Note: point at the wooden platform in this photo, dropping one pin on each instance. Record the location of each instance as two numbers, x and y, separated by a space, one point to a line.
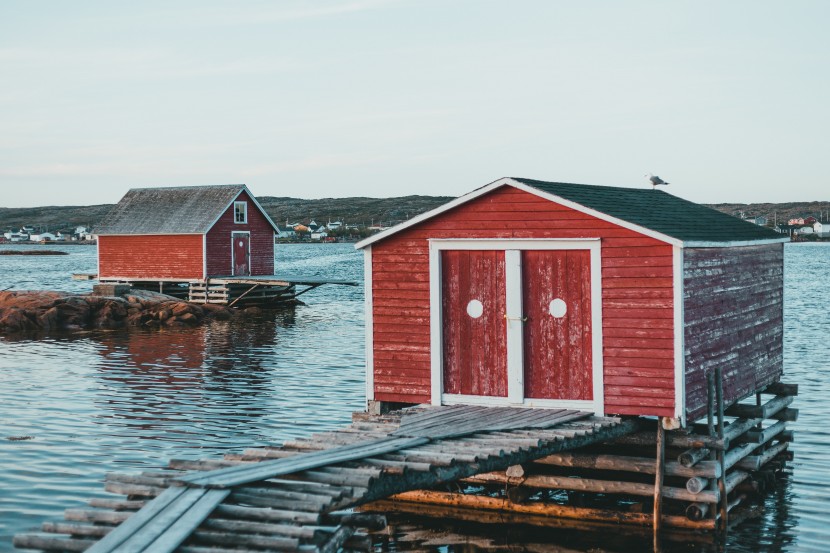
263 290
293 497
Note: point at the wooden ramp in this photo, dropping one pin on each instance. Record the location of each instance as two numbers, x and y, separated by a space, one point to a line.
293 497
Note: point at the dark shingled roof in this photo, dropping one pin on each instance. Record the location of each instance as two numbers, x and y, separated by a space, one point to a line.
175 210
658 211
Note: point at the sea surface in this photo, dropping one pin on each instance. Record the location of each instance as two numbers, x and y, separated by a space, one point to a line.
130 401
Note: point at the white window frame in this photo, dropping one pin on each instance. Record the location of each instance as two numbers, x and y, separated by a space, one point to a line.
244 205
515 334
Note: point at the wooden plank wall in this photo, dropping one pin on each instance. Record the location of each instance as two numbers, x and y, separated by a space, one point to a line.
475 349
734 317
547 275
169 256
262 241
637 298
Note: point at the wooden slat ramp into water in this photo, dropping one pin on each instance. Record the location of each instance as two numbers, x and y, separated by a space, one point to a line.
293 497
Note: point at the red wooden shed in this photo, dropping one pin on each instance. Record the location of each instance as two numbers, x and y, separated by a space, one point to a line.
614 300
185 234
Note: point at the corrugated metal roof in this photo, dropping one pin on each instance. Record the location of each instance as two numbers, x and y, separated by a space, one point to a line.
174 210
658 211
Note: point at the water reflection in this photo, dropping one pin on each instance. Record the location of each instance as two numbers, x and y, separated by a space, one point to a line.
116 401
179 382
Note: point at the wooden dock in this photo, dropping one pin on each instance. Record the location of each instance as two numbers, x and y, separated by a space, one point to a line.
295 497
300 496
265 290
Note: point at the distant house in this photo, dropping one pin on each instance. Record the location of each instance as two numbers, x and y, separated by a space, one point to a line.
796 221
43 237
761 221
810 221
335 225
183 234
804 230
822 229
19 236
81 233
319 234
286 232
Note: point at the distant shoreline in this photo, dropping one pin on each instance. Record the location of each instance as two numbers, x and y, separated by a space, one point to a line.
51 243
32 252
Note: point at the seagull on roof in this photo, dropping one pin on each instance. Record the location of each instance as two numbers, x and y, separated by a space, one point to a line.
655 181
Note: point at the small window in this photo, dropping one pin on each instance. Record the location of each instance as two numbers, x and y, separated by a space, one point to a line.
240 212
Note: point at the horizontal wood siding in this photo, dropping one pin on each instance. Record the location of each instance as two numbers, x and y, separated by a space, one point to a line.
177 256
637 298
262 241
733 319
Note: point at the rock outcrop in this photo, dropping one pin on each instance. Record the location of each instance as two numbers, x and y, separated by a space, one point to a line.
35 311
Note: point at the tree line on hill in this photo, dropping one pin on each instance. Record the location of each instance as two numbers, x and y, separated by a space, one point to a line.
356 210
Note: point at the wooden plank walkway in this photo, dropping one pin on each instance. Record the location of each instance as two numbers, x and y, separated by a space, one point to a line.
293 497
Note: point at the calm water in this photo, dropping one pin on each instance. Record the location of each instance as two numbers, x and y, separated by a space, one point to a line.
131 401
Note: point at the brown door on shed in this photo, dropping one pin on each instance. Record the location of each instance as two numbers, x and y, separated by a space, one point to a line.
557 334
474 330
241 249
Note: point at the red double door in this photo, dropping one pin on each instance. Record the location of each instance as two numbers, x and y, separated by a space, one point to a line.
485 319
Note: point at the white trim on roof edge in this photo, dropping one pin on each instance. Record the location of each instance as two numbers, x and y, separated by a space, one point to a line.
507 181
704 244
159 234
256 203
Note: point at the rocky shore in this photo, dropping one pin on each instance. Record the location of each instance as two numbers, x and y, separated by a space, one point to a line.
41 311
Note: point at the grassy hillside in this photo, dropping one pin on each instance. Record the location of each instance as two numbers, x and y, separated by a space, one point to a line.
350 210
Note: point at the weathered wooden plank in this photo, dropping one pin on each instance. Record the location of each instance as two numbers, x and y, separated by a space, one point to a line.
235 476
640 465
266 515
258 542
96 531
165 527
48 542
547 509
137 521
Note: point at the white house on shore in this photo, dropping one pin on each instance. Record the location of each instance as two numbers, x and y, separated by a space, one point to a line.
822 229
43 237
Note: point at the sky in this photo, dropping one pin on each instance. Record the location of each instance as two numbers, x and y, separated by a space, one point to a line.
728 101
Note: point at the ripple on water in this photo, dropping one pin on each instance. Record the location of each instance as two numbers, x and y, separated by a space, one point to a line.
131 401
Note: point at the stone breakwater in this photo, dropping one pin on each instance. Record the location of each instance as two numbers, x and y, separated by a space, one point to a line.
36 311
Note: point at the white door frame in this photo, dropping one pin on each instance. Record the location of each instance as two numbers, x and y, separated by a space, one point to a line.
515 335
233 257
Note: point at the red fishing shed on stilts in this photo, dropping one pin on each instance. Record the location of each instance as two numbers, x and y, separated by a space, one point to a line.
543 294
185 234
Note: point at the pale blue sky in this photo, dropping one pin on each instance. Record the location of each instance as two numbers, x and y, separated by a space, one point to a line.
727 100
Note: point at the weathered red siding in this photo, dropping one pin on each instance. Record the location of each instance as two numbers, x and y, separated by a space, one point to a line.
637 298
262 241
475 349
734 319
176 256
557 351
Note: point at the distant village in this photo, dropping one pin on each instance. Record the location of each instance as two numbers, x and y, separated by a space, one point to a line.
800 229
332 231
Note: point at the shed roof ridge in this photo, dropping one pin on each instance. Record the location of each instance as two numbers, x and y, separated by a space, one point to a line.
648 211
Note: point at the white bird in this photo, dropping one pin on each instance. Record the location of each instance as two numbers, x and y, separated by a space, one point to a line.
655 180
